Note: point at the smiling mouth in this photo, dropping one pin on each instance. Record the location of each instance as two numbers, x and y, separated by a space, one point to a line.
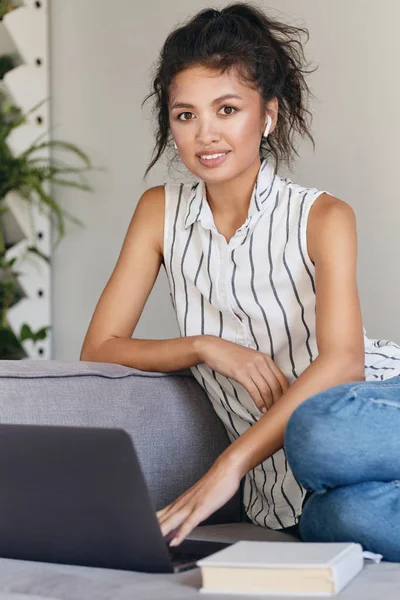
213 160
211 156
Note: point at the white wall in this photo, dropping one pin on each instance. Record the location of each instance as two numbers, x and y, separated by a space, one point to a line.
102 53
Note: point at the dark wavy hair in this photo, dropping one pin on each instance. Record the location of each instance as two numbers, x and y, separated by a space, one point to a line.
268 55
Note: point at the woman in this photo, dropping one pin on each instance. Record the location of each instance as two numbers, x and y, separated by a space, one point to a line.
262 274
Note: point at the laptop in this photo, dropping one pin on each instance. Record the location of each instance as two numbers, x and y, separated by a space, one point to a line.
77 495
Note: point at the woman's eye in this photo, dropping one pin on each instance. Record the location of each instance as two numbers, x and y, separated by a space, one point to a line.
231 110
185 115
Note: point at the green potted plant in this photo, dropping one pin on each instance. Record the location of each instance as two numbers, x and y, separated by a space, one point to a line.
29 174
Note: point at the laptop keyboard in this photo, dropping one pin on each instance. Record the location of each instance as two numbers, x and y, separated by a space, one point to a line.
189 551
178 557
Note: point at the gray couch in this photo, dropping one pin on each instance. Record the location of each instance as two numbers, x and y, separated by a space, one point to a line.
177 436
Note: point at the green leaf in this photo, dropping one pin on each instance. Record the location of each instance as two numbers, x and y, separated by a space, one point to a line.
24 117
11 291
36 251
7 63
54 168
56 210
41 333
62 146
10 347
25 333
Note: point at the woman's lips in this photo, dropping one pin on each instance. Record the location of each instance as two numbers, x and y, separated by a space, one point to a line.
213 162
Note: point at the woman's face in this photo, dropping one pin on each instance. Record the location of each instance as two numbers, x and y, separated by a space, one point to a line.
216 113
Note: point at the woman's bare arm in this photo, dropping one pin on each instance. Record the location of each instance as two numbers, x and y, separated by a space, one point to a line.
118 310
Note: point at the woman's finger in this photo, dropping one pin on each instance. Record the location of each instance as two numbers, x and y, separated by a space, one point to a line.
275 388
284 383
178 503
190 523
160 513
253 391
175 520
264 388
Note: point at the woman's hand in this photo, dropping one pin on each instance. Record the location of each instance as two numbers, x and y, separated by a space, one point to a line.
254 370
200 501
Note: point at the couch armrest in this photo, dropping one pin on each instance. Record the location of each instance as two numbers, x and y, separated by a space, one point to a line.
174 428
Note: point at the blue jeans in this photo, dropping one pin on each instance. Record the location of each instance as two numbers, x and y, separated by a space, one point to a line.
343 444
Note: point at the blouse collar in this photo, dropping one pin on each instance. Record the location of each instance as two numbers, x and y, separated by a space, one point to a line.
198 208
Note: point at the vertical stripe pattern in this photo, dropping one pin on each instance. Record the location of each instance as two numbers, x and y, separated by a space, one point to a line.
257 290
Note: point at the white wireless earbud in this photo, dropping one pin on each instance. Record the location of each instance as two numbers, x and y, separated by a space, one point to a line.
268 127
176 147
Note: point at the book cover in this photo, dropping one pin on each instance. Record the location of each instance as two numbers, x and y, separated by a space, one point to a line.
281 568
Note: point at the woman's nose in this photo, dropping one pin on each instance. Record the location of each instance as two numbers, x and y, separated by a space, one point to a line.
207 133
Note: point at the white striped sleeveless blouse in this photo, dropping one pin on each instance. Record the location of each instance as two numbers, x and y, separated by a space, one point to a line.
258 290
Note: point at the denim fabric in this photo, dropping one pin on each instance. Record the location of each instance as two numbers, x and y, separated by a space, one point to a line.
343 445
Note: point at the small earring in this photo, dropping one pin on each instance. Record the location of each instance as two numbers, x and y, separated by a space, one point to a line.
268 127
176 147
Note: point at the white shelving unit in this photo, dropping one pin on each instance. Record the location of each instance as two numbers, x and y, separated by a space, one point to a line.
28 85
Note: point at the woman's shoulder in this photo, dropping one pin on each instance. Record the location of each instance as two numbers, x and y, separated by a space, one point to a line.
299 189
320 200
318 207
153 194
164 197
150 211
